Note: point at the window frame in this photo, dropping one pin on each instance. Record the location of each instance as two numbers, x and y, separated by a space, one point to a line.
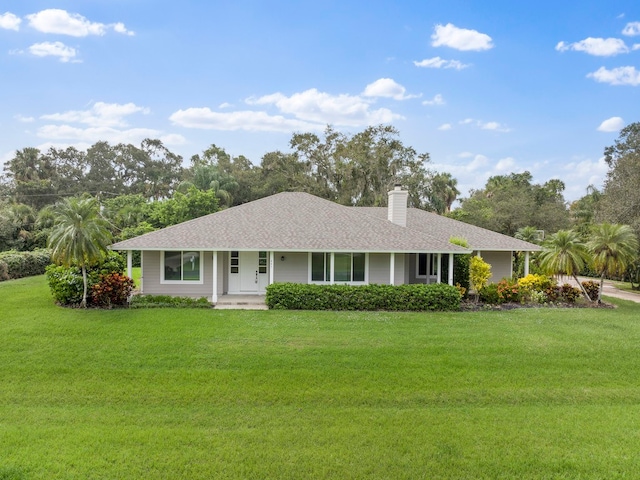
182 281
329 269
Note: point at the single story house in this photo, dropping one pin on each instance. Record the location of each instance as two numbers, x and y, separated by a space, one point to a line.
298 237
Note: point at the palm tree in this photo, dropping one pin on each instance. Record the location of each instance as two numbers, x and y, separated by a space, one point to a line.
614 248
79 236
564 254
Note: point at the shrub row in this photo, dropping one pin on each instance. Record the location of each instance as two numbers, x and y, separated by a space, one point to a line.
294 296
158 301
532 288
23 264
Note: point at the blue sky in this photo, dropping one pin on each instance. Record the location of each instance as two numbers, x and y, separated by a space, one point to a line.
485 87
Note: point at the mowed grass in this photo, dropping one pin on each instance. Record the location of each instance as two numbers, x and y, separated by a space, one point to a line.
167 394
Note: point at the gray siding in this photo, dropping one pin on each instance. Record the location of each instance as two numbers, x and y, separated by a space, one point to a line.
152 285
294 268
500 264
379 268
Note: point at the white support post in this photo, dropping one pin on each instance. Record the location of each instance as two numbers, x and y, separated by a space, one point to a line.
271 263
526 263
129 263
392 269
214 296
439 268
142 273
450 279
332 268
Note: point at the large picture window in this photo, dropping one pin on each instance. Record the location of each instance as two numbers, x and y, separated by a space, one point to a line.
182 266
347 267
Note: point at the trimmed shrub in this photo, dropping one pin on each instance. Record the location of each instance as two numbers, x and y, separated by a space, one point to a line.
159 301
592 288
23 264
508 291
489 294
420 297
112 289
535 283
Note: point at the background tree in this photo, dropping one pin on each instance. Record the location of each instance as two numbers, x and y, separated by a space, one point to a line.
620 202
80 236
614 248
510 202
31 177
444 192
583 211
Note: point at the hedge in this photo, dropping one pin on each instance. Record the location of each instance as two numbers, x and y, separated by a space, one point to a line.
23 264
160 301
419 297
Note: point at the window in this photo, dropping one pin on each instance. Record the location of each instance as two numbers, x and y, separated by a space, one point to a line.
347 267
182 266
427 265
235 261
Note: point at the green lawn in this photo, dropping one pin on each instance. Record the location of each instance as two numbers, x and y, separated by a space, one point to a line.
166 394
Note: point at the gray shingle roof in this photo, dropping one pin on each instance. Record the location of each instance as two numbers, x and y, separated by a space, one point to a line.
292 221
444 227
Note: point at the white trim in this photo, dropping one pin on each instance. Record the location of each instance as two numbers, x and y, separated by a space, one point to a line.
214 297
450 275
271 264
130 263
392 268
181 282
439 277
141 272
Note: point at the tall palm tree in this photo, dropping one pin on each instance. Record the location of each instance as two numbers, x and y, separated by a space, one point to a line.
563 253
614 248
79 236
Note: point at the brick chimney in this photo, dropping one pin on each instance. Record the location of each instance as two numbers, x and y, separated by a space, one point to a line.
397 209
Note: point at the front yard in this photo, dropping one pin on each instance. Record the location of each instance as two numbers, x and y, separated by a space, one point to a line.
165 393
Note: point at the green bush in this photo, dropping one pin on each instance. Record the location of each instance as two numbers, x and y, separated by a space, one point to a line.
66 283
23 264
592 288
159 301
508 291
296 296
489 294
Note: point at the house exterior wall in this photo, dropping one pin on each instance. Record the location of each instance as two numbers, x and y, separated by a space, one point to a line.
151 278
294 268
379 268
501 264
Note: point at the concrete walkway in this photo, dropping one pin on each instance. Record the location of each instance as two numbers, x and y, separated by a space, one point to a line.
241 302
608 290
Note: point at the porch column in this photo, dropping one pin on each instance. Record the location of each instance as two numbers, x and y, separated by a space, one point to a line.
214 297
526 263
439 279
450 279
129 263
392 269
332 269
271 263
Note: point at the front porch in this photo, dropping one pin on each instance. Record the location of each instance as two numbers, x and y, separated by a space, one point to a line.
240 302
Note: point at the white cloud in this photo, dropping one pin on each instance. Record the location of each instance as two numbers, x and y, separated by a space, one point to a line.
460 38
636 46
53 49
225 105
601 47
9 21
631 29
617 76
173 139
436 100
386 88
612 124
23 119
96 134
437 62
495 126
325 108
505 165
54 20
99 115
205 118
579 173
445 126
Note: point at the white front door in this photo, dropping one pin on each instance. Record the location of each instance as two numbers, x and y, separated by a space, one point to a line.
249 272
